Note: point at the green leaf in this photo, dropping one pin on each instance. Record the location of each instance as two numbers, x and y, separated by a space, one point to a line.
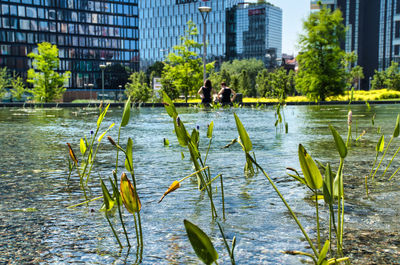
108 201
381 144
340 145
310 170
129 155
194 138
244 137
104 133
128 194
396 128
181 133
82 146
127 113
322 255
328 185
102 115
201 243
298 178
210 130
169 106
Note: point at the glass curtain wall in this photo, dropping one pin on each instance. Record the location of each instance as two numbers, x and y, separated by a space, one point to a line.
87 33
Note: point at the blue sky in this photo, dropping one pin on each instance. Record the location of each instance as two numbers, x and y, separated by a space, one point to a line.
294 12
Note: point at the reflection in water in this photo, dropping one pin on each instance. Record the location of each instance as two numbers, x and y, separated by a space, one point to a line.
33 173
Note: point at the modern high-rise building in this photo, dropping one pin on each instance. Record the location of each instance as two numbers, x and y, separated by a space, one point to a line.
163 22
254 31
87 33
373 32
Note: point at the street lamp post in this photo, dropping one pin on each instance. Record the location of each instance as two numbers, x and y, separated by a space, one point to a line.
90 95
204 10
102 67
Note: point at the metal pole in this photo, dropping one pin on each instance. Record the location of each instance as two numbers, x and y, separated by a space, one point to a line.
102 84
204 47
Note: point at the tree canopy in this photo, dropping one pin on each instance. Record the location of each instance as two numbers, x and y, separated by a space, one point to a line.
183 70
321 73
48 84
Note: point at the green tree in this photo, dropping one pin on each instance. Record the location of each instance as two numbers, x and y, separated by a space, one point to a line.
263 83
276 84
321 73
137 87
236 67
17 87
392 74
48 84
378 80
184 68
4 81
246 86
354 72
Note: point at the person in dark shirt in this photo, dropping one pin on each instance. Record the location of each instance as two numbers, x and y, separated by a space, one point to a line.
226 95
206 92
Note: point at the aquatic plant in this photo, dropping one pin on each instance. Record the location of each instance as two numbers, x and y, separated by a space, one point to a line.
191 141
202 245
313 180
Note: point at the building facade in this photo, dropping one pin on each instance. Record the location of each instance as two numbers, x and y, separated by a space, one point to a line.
87 33
163 22
254 31
373 32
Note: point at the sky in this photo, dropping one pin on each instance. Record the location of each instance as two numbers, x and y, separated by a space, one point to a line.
294 12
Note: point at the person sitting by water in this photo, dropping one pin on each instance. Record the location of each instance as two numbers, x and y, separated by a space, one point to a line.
206 92
226 95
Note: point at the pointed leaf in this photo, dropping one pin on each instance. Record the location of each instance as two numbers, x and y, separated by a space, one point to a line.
169 106
340 145
102 115
381 144
322 255
127 113
310 170
244 137
181 133
396 128
210 130
201 243
195 137
72 154
82 146
104 133
108 201
128 194
129 155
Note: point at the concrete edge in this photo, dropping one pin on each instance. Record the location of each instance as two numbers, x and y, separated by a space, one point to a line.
112 105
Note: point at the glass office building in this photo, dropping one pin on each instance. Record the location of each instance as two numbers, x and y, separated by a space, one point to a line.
254 31
163 22
87 33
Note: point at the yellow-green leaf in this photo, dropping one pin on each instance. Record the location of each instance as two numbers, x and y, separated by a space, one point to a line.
322 255
310 170
169 106
82 146
128 195
102 115
201 243
244 137
108 201
396 128
210 129
104 133
127 113
129 155
340 146
381 144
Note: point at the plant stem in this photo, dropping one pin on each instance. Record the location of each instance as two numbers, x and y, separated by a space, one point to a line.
208 149
317 213
116 161
287 206
373 165
82 203
394 174
223 197
119 210
391 160
387 147
112 228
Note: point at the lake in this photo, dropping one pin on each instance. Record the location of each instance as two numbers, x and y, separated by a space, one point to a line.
36 226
